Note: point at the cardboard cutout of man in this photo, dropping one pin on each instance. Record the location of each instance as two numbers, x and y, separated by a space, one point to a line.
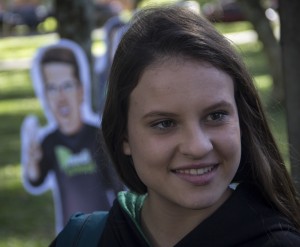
65 154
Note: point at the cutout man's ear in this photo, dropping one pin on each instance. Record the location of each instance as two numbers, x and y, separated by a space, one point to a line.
126 147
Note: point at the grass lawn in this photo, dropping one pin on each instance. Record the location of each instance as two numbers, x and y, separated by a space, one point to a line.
25 220
28 220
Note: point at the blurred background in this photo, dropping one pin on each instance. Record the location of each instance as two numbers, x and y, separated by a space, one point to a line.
253 26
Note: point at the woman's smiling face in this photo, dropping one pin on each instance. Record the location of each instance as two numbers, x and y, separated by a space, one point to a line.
183 134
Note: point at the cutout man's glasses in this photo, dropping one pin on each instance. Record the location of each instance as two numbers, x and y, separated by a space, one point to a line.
66 87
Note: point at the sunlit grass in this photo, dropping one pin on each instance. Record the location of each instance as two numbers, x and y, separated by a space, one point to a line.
12 113
10 176
150 3
12 107
232 27
25 46
15 84
14 241
12 80
17 100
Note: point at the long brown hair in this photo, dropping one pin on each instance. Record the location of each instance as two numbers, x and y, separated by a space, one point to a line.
157 33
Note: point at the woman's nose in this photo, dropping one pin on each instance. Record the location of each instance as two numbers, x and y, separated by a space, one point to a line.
195 142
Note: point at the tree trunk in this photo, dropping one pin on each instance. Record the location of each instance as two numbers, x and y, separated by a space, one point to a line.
255 13
290 44
76 22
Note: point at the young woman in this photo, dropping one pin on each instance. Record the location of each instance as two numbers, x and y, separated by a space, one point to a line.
185 129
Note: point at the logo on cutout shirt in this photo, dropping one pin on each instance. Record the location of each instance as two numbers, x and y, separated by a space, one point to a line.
75 164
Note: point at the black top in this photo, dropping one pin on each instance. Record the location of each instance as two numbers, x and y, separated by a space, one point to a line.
84 177
244 220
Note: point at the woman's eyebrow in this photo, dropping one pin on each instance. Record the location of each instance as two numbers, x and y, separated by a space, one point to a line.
161 113
154 113
220 104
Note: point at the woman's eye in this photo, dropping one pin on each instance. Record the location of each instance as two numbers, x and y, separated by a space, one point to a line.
163 124
216 116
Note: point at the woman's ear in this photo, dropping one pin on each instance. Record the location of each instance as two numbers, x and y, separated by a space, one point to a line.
126 146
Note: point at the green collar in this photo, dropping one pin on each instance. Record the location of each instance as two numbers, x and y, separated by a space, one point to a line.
132 204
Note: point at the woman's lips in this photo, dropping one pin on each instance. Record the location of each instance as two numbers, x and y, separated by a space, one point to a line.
197 176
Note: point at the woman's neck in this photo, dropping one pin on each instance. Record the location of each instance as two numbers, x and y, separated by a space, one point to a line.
165 226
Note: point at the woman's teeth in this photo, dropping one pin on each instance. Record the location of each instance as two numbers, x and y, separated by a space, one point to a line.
198 171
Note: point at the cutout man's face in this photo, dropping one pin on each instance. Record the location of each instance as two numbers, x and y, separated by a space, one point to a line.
64 95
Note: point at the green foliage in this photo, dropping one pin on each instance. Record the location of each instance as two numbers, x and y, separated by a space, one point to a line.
202 2
254 58
47 26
